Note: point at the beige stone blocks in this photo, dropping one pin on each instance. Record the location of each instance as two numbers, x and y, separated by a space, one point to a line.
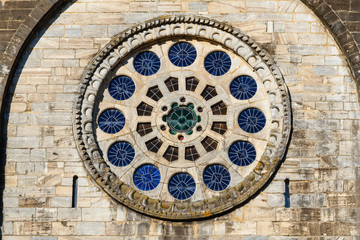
57 53
243 228
97 214
167 6
320 163
259 214
110 6
69 214
261 6
64 228
75 43
50 42
313 39
90 228
226 7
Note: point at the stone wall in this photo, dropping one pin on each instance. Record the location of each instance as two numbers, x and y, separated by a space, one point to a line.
322 162
18 19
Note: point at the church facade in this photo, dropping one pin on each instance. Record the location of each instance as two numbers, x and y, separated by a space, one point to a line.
180 120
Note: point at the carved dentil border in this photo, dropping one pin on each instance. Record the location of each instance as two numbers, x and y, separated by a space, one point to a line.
172 27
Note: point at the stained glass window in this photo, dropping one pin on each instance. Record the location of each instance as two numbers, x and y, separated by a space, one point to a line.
209 144
147 177
217 63
121 154
216 177
242 153
182 186
144 128
172 84
144 109
147 63
182 54
209 92
252 120
171 153
154 93
191 83
191 153
154 144
111 121
219 127
219 108
121 87
243 87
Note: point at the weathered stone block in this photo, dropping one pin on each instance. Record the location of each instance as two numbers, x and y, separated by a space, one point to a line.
46 214
198 6
142 228
241 228
120 229
64 228
36 228
287 214
95 31
32 202
109 7
309 214
23 142
97 214
259 214
54 31
219 228
90 228
226 7
301 200
260 6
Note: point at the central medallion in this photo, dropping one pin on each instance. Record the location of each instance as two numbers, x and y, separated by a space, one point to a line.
181 119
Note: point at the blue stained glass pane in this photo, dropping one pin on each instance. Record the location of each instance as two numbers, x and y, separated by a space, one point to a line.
217 63
243 87
181 186
121 87
242 153
121 154
147 177
147 63
111 121
182 54
251 120
216 177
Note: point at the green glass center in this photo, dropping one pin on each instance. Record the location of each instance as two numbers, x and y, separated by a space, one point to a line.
181 119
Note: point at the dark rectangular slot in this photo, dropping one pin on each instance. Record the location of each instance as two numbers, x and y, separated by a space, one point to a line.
74 192
287 193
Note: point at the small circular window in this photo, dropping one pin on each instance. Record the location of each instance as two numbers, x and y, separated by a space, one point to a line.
121 87
182 54
178 125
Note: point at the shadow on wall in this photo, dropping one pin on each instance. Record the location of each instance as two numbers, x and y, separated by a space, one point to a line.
18 66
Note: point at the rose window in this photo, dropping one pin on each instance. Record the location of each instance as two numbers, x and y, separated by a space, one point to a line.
182 118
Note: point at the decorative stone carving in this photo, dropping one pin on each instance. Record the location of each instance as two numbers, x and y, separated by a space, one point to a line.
183 27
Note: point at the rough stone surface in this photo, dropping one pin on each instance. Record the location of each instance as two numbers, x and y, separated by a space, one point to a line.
322 161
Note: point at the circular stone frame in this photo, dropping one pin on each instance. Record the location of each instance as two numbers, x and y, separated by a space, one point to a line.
175 27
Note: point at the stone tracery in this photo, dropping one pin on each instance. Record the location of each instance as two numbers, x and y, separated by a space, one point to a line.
240 45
